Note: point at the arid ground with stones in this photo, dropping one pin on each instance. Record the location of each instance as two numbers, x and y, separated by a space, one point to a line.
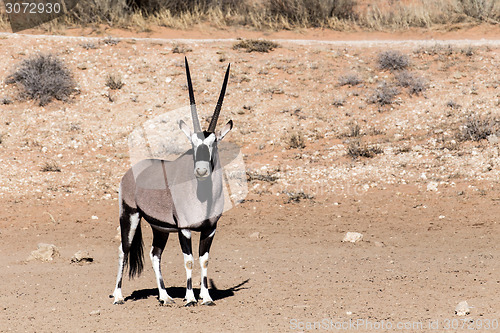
392 136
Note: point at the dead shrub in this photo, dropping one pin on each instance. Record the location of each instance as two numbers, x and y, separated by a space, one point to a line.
114 82
453 105
43 77
51 166
181 48
111 41
478 128
89 46
354 131
349 79
384 94
415 84
256 45
393 60
268 177
296 197
296 141
356 148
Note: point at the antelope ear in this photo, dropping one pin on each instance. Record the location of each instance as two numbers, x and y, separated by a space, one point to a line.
185 129
222 133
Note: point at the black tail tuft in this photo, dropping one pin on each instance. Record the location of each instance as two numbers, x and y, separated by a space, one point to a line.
136 255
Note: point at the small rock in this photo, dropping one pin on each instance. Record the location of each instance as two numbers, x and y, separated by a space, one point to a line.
432 186
493 139
45 252
462 309
82 256
95 313
352 237
94 217
379 244
255 235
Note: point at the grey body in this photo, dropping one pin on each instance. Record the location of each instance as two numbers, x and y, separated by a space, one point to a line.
170 197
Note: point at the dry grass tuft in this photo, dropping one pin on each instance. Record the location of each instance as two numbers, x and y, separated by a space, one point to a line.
268 177
296 197
356 148
296 141
415 84
256 45
114 82
349 79
478 128
354 131
181 48
50 167
384 94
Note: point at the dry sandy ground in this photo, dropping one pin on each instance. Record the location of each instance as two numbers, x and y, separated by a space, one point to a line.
427 204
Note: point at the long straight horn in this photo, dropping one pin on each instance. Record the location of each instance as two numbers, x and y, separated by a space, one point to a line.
194 113
213 122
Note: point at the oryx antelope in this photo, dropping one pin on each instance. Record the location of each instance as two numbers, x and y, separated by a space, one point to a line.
180 196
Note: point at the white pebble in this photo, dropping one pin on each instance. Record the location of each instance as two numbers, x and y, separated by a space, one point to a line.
352 237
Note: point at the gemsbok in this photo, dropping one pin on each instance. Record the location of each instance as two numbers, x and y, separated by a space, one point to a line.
180 196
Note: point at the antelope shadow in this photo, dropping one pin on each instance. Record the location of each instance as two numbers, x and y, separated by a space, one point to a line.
179 292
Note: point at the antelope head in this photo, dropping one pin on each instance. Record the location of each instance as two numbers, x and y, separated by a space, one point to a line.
204 143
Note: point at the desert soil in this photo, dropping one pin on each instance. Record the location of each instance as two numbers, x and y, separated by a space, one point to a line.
427 203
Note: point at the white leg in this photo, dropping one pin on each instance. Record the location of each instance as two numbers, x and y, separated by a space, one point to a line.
117 294
188 264
204 294
155 256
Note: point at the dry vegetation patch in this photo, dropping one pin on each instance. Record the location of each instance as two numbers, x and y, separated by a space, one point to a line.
280 14
43 77
477 128
384 94
393 60
114 82
256 45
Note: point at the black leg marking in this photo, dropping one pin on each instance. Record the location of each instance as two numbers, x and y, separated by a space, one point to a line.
159 242
206 241
205 282
185 242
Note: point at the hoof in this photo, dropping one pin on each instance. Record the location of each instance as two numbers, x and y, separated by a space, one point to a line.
208 303
120 301
167 302
189 304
